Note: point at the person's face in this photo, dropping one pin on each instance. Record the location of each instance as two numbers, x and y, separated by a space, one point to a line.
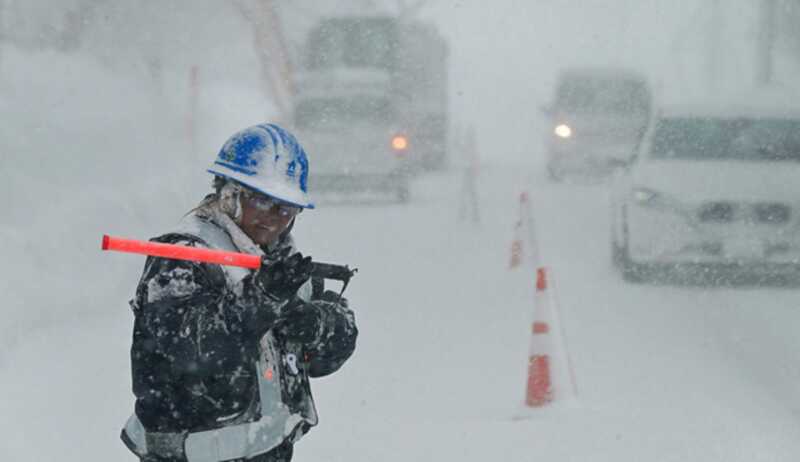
264 218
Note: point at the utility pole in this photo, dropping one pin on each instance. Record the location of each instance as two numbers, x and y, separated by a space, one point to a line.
765 42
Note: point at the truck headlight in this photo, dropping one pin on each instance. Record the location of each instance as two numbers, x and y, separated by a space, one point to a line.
563 131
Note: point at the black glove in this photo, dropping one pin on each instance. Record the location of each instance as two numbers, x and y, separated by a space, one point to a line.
330 296
282 276
302 323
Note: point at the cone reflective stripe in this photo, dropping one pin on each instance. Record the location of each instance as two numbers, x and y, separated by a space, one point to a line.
541 279
540 390
540 385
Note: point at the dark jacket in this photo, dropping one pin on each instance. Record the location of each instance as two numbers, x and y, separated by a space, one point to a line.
196 343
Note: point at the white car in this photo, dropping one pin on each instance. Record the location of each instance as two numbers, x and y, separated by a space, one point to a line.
711 192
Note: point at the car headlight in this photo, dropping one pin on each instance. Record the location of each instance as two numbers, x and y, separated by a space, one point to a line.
662 202
563 131
644 196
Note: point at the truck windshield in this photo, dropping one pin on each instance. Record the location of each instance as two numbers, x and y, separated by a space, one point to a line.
361 42
727 139
603 95
342 111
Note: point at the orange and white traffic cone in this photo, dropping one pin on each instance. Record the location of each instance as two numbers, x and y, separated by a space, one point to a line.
550 376
540 382
519 246
517 250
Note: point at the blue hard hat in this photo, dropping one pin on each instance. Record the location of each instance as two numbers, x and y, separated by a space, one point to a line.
268 159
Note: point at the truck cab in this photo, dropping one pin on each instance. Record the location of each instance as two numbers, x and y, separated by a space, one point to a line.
360 102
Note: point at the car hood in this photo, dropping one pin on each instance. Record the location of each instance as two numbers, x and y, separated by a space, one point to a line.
694 181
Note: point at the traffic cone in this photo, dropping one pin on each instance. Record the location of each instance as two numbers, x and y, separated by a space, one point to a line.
517 251
517 245
550 375
540 382
526 217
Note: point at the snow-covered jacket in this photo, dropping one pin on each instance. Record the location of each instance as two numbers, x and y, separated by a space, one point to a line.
212 380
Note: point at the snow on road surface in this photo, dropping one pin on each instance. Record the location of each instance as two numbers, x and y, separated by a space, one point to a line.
664 373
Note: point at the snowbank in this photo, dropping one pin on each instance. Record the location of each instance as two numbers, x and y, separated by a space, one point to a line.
91 151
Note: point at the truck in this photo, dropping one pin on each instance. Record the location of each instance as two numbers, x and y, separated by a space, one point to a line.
596 120
370 102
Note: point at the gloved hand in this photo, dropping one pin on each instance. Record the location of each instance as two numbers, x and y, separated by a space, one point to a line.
330 296
302 323
284 274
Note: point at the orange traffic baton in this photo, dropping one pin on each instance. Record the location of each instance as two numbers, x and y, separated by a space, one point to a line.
341 273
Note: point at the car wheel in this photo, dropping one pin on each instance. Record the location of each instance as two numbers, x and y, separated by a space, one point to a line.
629 269
616 254
616 250
554 173
403 193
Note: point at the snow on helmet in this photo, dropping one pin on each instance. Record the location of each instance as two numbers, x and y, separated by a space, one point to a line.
268 159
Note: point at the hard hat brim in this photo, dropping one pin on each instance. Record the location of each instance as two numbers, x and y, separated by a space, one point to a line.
275 189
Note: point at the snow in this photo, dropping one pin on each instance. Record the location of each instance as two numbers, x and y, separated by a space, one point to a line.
663 372
179 283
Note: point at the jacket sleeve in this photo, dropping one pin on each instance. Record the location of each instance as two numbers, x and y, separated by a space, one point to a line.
194 342
338 337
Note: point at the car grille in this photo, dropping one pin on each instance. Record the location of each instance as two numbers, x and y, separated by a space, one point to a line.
775 214
717 212
764 213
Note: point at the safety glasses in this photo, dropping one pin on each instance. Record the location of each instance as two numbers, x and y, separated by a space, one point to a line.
268 204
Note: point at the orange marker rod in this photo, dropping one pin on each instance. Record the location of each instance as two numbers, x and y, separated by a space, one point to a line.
180 252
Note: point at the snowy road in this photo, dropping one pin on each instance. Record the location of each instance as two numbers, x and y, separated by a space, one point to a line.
663 373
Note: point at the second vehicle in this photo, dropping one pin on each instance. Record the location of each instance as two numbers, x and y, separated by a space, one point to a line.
713 192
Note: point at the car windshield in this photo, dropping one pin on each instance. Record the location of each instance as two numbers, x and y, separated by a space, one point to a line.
727 139
603 95
362 42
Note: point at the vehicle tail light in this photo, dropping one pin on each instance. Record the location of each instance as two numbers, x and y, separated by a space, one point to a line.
399 143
